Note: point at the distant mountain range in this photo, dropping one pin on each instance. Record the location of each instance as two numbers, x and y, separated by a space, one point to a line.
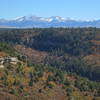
41 22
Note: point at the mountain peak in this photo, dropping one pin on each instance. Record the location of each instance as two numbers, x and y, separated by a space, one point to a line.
44 22
58 18
35 18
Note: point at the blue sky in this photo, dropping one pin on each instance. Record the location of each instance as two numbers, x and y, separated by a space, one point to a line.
77 9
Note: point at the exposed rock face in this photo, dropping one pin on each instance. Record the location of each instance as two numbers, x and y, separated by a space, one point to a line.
1 66
11 60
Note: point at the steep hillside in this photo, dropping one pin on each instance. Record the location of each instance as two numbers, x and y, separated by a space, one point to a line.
63 48
37 82
33 55
47 64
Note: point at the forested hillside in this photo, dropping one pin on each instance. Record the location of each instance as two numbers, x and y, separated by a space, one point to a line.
59 63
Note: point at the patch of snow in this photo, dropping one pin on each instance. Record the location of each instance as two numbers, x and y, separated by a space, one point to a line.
46 19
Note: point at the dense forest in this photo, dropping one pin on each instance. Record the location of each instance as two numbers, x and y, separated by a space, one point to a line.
67 59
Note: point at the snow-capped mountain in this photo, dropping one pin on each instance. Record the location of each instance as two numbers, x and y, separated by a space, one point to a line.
34 18
41 22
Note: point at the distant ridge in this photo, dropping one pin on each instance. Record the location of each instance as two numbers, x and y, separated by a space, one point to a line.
6 27
41 22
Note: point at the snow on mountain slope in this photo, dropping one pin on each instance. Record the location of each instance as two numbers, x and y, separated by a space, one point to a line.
54 21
